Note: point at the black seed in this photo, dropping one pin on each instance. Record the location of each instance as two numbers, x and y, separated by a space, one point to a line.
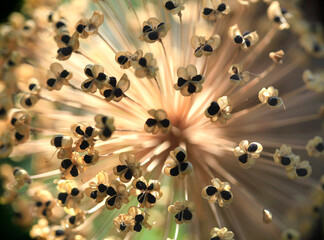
147 29
221 7
80 28
226 195
191 88
107 132
84 145
273 101
238 39
11 63
28 102
89 131
213 108
102 188
289 236
50 17
64 74
283 10
247 42
66 163
277 19
142 62
72 219
183 166
301 172
48 203
112 81
88 72
39 204
211 190
252 147
160 25
18 136
179 216
141 185
153 35
181 82
62 197
58 141
65 39
169 5
79 131
181 156
187 215
87 84
66 51
140 197
104 119
94 194
122 60
207 11
174 171
139 218
59 233
101 77
87 159
319 147
121 168
3 111
197 49
235 77
150 198
150 187
316 47
75 191
243 158
208 48
165 123
246 33
128 174
74 171
137 227
150 122
44 212
60 24
51 82
118 92
31 86
111 191
196 78
122 226
285 161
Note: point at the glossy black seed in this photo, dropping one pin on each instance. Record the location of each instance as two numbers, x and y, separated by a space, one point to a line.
147 29
50 17
118 92
59 233
140 185
226 195
221 7
60 24
183 166
160 25
316 47
84 145
3 111
283 10
181 156
179 216
89 131
187 215
11 63
88 72
207 11
72 219
128 174
64 74
102 188
104 119
273 101
75 191
122 226
113 81
169 5
121 168
107 132
213 108
66 51
137 227
150 187
285 161
44 212
208 48
39 204
243 158
235 77
122 59
87 159
111 191
65 39
142 62
139 218
238 39
74 171
87 84
301 172
62 197
111 201
211 190
165 123
174 171
196 78
150 198
79 131
150 122
246 33
197 49
48 203
94 194
289 236
191 88
181 82
66 163
31 86
28 102
153 35
319 147
247 42
252 147
140 197
101 77
51 82
58 141
80 28
18 136
277 19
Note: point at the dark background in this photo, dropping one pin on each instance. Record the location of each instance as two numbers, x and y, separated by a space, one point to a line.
313 10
